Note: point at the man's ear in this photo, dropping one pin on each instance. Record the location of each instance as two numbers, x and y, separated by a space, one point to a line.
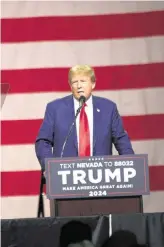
93 85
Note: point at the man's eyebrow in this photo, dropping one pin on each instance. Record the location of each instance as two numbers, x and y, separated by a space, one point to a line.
77 81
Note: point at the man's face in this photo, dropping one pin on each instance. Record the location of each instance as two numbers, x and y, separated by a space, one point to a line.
81 85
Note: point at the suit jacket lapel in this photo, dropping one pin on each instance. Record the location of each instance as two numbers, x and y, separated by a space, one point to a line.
96 121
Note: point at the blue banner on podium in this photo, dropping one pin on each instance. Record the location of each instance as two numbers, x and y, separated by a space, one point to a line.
104 176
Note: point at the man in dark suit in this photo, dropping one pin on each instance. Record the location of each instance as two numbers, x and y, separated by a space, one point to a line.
98 125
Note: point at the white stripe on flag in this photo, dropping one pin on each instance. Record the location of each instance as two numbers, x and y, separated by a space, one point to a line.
96 53
154 202
18 9
23 158
129 102
22 207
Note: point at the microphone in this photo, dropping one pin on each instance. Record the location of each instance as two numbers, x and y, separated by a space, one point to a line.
82 100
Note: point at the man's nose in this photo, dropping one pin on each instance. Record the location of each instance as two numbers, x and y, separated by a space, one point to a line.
79 84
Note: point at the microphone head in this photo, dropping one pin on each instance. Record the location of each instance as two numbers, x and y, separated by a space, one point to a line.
82 100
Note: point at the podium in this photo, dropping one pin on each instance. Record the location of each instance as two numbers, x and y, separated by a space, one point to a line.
88 207
97 185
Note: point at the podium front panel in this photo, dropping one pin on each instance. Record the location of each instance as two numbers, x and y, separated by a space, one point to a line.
88 207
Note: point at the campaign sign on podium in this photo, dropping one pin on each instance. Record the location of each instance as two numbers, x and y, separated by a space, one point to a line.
103 176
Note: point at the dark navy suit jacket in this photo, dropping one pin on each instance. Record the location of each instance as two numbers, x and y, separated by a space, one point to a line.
59 115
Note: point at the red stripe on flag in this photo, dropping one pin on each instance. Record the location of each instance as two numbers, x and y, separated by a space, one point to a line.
145 127
24 183
4 88
156 180
87 27
108 78
138 128
20 183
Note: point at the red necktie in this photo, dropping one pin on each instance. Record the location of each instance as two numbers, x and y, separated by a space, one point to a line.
84 135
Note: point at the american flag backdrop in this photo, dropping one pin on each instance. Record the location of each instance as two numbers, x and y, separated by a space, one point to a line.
123 41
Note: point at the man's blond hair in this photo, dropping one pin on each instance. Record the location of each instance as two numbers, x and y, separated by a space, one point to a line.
82 70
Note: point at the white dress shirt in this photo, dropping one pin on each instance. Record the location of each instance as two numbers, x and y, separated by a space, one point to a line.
89 112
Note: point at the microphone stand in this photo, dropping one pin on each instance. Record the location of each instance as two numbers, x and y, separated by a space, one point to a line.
70 130
65 142
41 201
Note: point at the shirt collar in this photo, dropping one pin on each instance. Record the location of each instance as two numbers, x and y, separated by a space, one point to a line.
88 102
